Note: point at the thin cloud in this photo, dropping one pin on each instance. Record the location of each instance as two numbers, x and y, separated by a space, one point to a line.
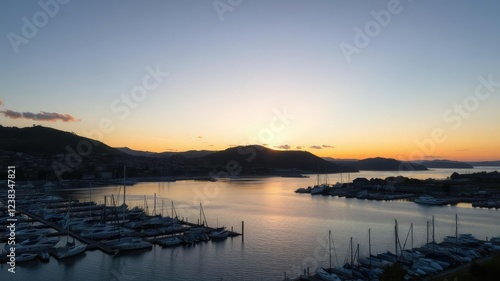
283 146
298 147
463 149
1 102
42 116
315 147
327 146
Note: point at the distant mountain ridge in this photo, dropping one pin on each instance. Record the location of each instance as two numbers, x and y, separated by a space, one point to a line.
133 152
429 164
256 156
187 154
45 141
387 164
485 163
445 164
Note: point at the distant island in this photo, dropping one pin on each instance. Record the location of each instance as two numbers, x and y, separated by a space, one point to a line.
389 164
381 164
445 164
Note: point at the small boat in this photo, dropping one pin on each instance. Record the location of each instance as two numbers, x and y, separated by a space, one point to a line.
34 245
44 256
188 238
325 275
429 200
318 189
25 257
134 244
495 240
428 269
113 242
169 241
199 234
25 233
105 232
49 185
489 246
430 262
303 190
70 251
219 234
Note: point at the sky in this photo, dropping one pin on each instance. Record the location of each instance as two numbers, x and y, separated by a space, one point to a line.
403 79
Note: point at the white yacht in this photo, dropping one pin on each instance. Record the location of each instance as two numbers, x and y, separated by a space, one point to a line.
133 244
219 234
34 245
70 250
324 275
169 241
429 200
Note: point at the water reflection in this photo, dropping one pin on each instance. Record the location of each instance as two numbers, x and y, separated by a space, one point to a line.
282 229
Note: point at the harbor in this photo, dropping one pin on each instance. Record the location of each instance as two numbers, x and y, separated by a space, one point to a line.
43 220
283 230
406 261
480 190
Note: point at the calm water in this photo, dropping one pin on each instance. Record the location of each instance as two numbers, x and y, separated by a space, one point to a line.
284 231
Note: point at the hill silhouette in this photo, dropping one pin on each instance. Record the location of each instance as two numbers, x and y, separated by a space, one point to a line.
485 163
448 164
256 156
387 164
38 140
186 154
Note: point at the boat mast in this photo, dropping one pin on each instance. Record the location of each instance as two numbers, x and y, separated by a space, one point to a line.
90 200
370 247
352 258
356 255
67 222
396 237
124 185
411 228
204 222
427 244
330 246
154 205
433 237
104 210
318 177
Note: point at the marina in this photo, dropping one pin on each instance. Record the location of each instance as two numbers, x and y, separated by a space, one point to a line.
285 232
413 263
94 232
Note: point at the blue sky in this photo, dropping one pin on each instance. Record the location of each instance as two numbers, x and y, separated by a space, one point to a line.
230 71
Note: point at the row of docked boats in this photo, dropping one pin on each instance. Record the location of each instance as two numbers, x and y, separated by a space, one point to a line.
194 235
429 200
41 246
117 228
364 194
418 263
